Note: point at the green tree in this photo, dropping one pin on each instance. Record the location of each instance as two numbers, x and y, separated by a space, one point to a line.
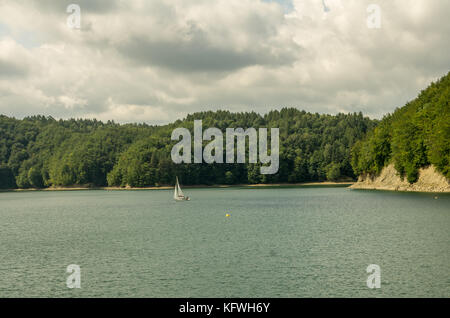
334 172
35 178
7 180
229 178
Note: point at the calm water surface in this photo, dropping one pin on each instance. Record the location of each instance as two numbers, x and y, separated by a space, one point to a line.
291 242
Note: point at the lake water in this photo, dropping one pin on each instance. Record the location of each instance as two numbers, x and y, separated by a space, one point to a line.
277 242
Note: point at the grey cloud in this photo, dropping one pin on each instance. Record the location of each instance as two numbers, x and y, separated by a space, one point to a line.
196 57
195 52
60 6
9 69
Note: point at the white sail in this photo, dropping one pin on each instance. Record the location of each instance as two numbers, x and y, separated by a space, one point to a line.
178 193
175 194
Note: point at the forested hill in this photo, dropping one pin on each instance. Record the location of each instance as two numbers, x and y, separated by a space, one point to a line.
39 151
414 136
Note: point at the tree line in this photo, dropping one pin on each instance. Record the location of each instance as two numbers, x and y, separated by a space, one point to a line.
39 151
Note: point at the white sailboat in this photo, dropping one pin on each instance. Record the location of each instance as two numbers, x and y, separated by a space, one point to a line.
178 195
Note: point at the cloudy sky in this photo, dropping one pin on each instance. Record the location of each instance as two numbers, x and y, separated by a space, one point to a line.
156 61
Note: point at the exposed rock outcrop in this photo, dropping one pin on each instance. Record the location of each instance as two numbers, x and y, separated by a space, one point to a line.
429 180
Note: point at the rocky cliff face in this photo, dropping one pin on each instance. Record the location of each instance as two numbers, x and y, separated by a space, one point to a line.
429 181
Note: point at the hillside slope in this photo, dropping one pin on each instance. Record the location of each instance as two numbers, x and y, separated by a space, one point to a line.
411 142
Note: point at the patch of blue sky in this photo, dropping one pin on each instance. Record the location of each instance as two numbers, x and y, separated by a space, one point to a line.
286 4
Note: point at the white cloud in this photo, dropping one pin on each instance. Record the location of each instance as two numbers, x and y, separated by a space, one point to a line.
155 61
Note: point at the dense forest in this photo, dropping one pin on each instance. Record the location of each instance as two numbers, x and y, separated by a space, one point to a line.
414 136
38 151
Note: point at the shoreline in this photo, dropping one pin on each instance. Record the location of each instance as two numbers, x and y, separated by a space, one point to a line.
357 187
215 186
